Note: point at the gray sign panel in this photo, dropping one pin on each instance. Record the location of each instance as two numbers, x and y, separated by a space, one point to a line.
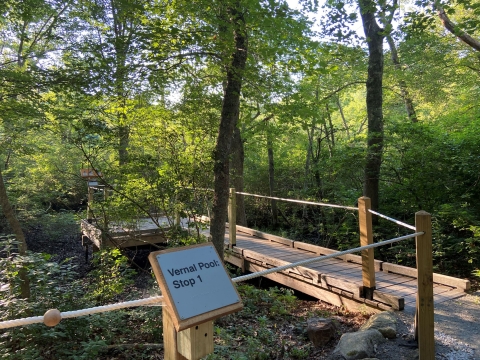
197 281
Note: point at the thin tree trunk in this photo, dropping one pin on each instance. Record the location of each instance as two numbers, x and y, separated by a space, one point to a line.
345 125
237 161
228 121
19 235
402 84
374 101
271 178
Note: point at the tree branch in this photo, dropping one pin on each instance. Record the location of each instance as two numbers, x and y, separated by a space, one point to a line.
455 30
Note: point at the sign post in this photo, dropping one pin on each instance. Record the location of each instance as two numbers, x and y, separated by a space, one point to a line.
197 290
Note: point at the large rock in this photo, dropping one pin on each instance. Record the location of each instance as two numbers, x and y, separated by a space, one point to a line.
385 322
320 331
358 345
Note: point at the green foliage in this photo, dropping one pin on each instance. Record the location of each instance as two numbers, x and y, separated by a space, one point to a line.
109 277
56 285
275 301
258 326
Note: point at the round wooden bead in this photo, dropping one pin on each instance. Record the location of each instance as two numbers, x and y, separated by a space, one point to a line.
52 317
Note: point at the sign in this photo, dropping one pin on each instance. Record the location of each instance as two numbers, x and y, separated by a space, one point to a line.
195 284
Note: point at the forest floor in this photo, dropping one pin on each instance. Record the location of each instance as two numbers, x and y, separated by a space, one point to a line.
273 323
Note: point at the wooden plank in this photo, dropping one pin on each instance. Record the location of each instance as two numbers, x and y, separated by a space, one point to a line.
437 278
316 249
260 234
357 259
329 281
310 274
396 302
334 295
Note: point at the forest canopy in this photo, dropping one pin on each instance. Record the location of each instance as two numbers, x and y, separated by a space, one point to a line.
163 97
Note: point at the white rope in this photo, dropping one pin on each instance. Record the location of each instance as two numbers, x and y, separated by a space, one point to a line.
83 312
21 322
299 201
111 307
323 257
392 219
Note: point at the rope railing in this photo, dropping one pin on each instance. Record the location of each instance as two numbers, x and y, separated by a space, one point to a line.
53 317
393 220
299 201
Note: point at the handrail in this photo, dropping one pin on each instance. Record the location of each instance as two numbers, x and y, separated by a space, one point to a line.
76 313
394 220
299 201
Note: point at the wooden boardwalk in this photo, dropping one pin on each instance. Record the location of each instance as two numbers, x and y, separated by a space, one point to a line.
337 281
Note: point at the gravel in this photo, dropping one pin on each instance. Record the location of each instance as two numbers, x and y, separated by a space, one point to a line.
457 328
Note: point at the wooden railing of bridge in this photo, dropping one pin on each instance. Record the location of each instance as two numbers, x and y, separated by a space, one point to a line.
423 272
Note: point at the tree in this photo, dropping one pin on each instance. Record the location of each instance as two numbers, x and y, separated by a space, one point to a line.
28 34
228 121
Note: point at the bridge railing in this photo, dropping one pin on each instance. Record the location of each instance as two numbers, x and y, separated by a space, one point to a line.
424 328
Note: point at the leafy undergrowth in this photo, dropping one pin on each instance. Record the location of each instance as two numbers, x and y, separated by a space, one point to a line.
273 325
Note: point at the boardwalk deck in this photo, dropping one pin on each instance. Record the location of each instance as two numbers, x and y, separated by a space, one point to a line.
336 281
144 231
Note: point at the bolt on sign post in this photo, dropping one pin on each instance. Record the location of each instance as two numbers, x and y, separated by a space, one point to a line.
197 290
366 238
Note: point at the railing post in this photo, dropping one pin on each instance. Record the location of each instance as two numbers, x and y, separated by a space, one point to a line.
425 308
232 218
366 238
89 205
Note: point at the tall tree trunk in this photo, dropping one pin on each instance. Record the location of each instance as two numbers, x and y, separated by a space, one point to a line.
237 161
402 84
374 101
19 235
228 121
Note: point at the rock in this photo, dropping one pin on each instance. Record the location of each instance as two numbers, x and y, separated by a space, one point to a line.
385 322
358 345
320 331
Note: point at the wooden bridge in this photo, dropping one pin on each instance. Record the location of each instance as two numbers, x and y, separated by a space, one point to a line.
336 281
354 281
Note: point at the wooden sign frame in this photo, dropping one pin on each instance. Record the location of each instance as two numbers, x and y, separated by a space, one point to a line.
167 286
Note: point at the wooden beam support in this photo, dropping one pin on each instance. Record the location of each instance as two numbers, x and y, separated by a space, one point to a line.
232 218
89 205
425 306
366 238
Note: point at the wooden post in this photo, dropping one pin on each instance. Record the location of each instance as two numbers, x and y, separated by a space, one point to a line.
189 344
170 337
366 238
89 205
424 310
105 217
232 218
